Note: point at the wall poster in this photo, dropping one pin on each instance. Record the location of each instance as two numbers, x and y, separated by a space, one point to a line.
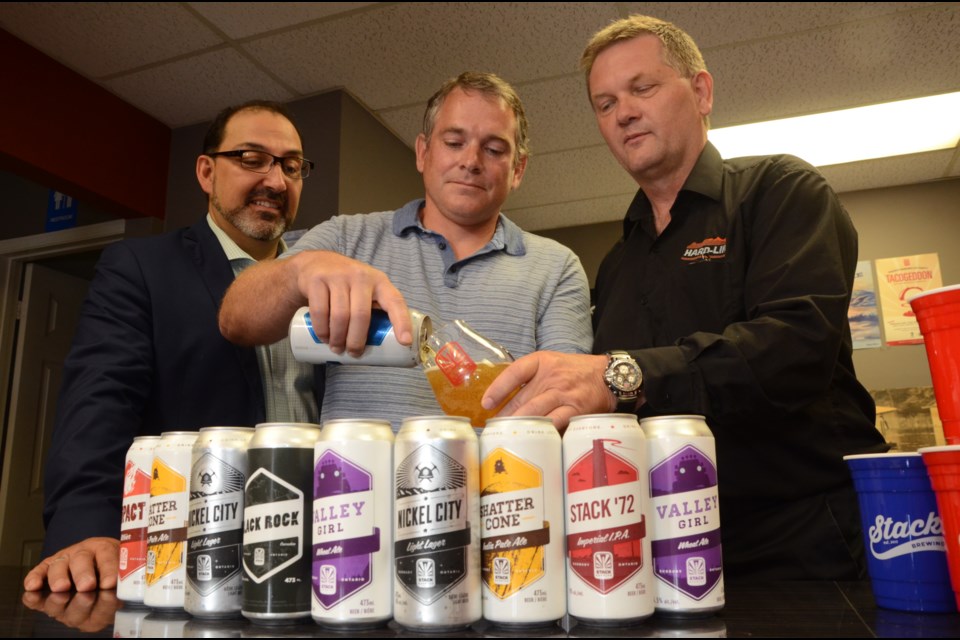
898 280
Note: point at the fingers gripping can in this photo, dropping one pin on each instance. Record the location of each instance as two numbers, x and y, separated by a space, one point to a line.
521 522
167 525
685 516
278 510
215 528
609 571
352 536
132 566
437 534
382 346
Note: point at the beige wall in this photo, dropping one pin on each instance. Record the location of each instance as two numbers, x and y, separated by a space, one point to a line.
895 221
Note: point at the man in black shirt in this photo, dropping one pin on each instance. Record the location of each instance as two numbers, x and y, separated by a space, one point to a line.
726 297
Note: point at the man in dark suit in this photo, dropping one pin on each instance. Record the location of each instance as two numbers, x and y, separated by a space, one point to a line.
148 355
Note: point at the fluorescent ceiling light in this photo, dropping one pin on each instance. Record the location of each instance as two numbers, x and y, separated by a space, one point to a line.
877 131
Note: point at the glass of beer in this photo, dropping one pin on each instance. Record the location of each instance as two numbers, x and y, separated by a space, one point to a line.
460 364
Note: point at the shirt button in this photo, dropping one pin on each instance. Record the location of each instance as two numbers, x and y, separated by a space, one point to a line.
453 269
442 245
643 300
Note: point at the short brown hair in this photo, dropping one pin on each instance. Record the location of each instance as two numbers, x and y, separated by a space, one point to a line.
679 49
488 84
215 133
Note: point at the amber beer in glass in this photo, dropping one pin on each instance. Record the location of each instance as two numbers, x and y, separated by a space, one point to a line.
460 364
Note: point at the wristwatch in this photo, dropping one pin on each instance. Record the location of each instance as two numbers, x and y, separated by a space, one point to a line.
624 378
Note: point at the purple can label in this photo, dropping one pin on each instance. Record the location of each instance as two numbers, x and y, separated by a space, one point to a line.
686 522
344 534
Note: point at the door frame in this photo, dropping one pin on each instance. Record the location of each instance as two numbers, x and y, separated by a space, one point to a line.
15 253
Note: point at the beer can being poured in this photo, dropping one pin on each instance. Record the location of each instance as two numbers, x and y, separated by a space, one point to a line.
609 568
382 348
685 516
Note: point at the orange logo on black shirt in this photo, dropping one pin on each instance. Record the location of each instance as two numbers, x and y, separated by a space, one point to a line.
709 249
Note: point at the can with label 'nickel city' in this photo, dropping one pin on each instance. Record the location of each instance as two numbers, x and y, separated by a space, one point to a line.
521 522
609 569
352 533
685 516
437 529
167 525
215 531
277 522
131 583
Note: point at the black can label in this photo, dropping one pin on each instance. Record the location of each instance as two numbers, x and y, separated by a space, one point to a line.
276 523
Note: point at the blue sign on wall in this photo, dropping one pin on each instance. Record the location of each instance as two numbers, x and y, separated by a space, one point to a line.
61 211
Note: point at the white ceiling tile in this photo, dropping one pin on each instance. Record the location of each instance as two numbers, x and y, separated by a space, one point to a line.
100 39
888 172
769 60
242 19
399 55
715 24
191 91
908 55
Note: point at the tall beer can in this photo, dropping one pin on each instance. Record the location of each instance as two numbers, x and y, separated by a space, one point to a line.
277 522
685 516
437 534
167 525
215 528
131 582
352 512
382 347
609 570
521 522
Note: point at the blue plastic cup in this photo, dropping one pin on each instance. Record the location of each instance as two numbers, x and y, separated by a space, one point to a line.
906 552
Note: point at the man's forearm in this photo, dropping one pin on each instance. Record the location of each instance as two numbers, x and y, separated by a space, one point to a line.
259 304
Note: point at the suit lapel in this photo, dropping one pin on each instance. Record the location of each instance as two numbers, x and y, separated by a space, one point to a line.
204 249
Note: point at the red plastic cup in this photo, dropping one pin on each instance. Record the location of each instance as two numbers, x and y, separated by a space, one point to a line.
938 313
943 467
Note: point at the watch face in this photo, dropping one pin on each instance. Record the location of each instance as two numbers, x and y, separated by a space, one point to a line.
624 375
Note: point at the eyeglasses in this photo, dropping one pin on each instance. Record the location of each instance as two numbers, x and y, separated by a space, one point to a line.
293 167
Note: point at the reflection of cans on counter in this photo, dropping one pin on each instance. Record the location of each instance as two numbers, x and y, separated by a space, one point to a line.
215 628
437 534
167 521
215 531
128 622
521 520
352 575
277 522
131 583
685 516
609 572
164 624
382 345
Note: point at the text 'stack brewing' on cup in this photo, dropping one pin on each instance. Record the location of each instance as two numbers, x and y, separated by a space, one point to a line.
938 313
943 467
382 347
901 528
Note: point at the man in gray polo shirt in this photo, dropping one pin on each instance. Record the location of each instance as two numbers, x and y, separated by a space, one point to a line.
451 255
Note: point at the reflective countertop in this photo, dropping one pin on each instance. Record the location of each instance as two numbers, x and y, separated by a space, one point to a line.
783 609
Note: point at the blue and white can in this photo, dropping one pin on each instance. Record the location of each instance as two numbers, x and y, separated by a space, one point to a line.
382 348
